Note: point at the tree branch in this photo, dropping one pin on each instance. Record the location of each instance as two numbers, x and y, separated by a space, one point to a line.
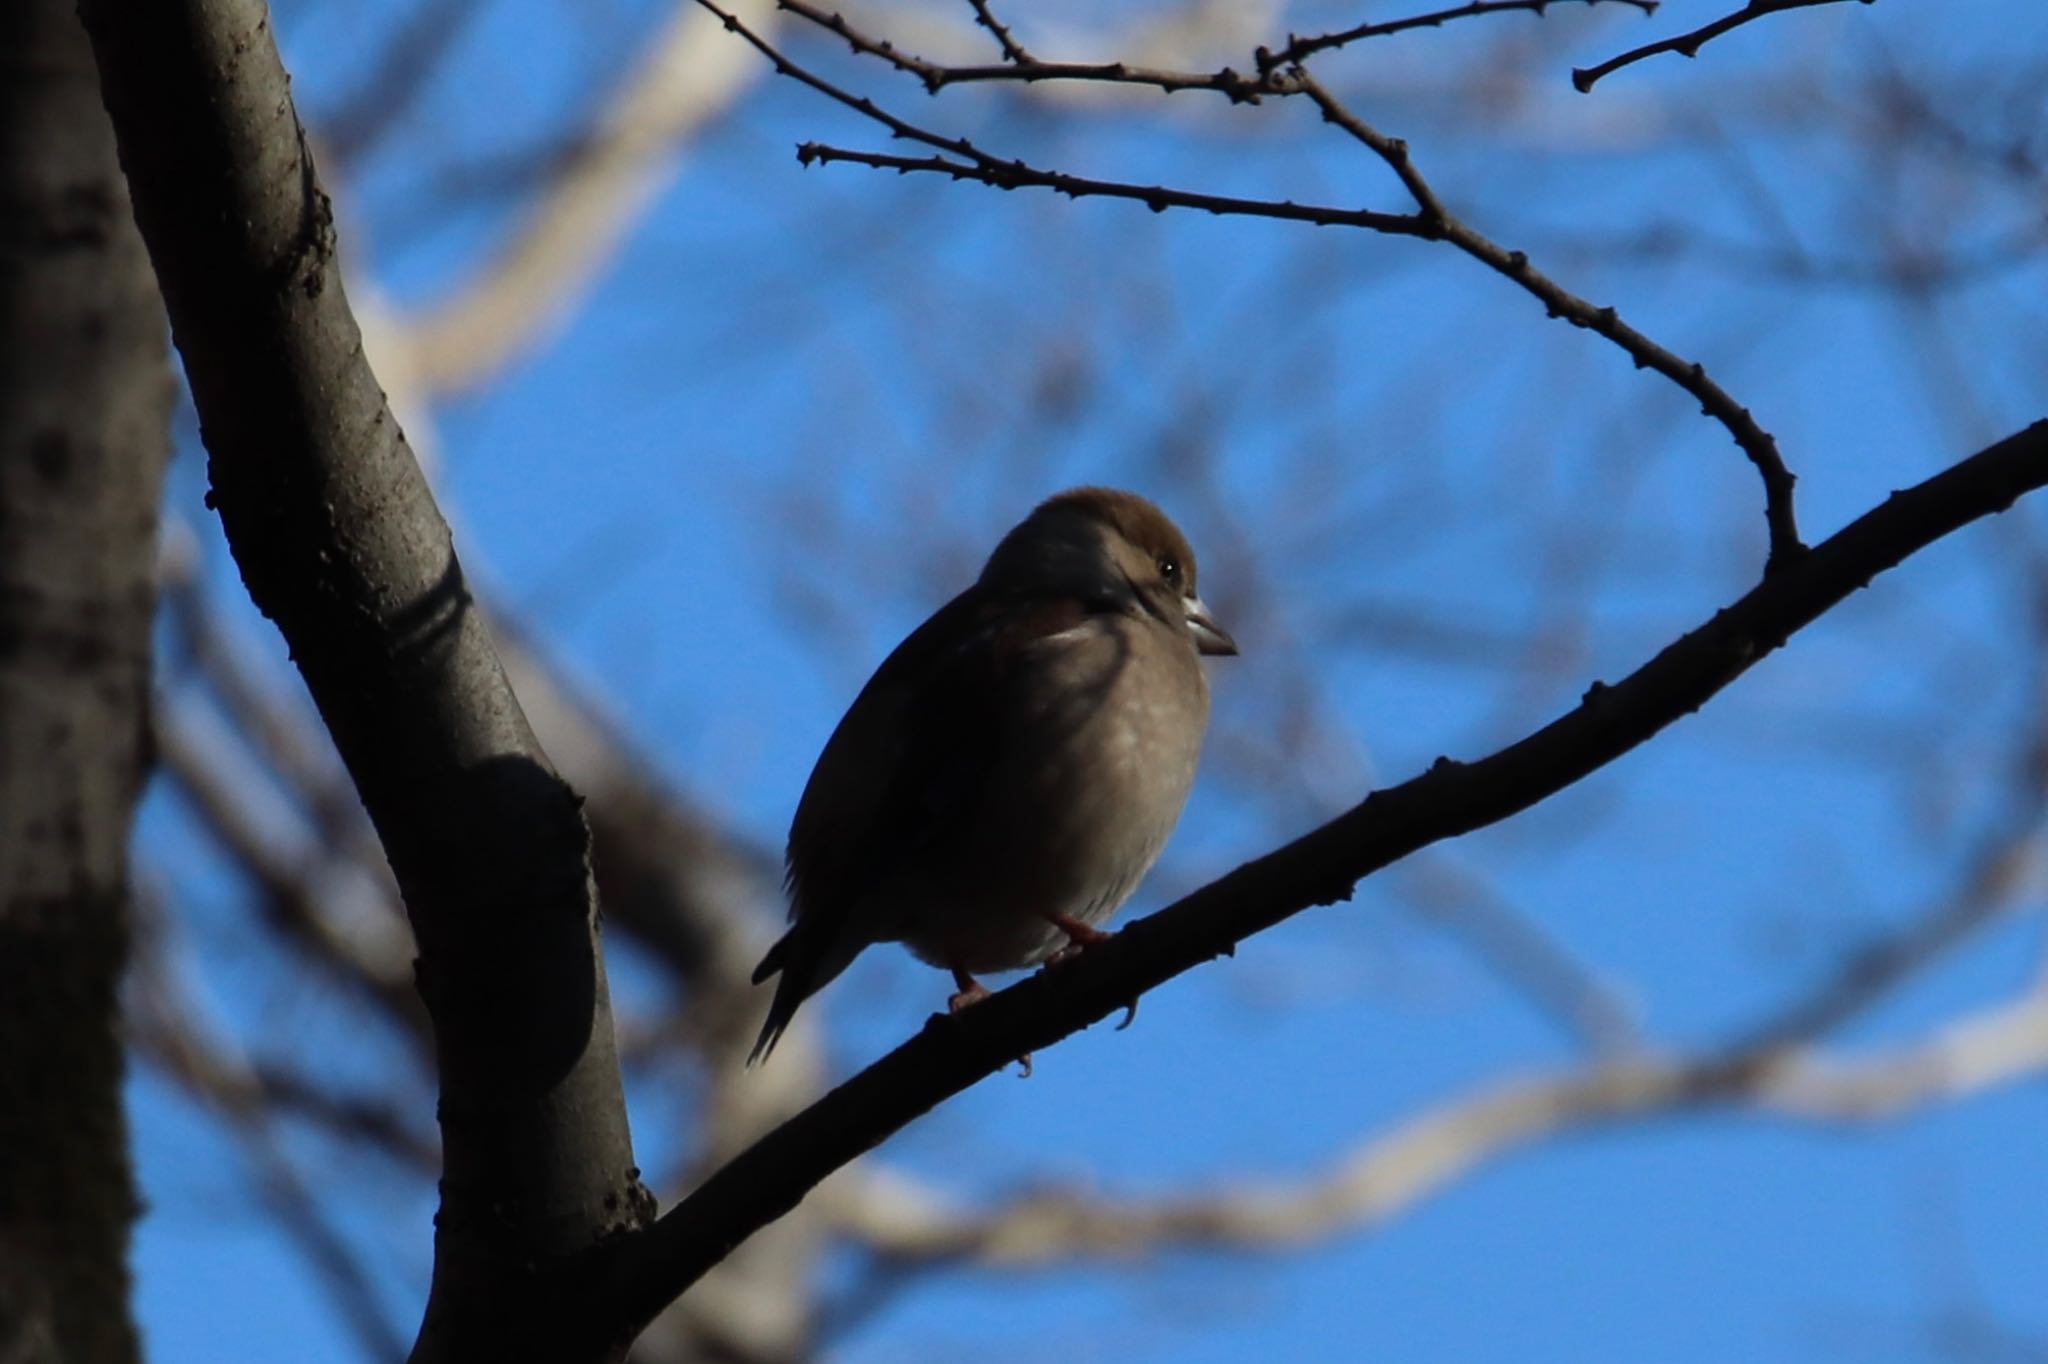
647 1269
1387 1176
960 159
1466 907
1013 51
340 543
1000 174
1756 443
1772 1067
174 1030
84 433
1017 65
1689 44
684 82
1299 49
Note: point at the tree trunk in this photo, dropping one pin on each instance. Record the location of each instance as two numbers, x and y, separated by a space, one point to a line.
84 414
340 543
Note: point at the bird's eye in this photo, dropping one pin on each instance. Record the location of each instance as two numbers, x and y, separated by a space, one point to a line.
1169 569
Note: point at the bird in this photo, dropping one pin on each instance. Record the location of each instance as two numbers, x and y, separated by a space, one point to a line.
1013 769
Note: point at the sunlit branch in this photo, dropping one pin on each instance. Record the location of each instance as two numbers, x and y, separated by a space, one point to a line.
174 1032
579 218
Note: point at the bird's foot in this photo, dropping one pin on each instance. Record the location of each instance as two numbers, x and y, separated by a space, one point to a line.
971 992
1080 937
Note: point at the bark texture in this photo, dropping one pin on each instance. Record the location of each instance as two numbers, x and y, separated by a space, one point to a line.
340 544
84 429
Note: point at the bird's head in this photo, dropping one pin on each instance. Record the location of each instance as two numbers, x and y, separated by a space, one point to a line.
1105 543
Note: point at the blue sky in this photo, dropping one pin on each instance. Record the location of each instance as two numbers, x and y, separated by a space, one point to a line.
833 389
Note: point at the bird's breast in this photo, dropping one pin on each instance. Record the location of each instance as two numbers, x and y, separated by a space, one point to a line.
1096 764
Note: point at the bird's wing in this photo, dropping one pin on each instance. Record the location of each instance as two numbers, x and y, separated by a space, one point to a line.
914 753
910 760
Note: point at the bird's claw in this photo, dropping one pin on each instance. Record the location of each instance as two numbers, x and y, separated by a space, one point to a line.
1080 937
970 993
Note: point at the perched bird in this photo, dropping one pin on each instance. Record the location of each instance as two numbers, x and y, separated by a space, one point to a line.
1012 770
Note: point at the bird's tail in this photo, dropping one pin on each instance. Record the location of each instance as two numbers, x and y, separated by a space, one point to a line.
788 994
779 1014
806 966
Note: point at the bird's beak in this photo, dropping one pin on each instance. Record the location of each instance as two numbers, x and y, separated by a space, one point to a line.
1210 638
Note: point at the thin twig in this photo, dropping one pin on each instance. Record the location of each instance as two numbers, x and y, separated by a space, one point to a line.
1013 51
981 166
1431 221
1756 443
1689 44
936 76
1298 48
1018 175
1019 66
